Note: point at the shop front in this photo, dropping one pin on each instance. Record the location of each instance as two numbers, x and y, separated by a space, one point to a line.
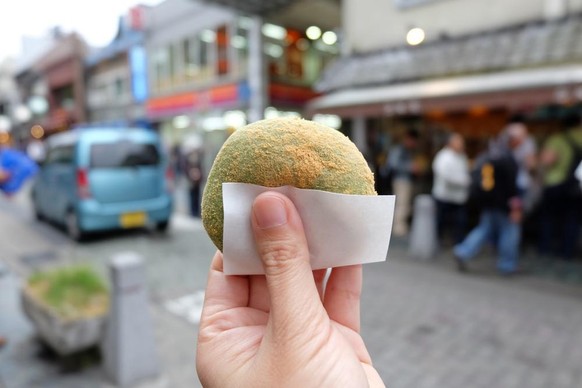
468 84
476 106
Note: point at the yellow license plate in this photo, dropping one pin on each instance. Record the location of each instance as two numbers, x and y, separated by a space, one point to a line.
133 220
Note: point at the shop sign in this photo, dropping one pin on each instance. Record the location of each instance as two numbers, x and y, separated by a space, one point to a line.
219 96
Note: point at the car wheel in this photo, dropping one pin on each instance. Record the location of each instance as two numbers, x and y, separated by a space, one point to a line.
72 225
37 213
163 226
35 209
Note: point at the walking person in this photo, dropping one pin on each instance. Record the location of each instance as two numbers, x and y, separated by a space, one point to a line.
524 151
561 197
451 187
404 168
16 168
194 176
494 185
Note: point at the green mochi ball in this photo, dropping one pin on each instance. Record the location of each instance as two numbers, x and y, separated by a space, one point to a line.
280 152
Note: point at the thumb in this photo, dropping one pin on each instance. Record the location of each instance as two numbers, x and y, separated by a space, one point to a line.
282 246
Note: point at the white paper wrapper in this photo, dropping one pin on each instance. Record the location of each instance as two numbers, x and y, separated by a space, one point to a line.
341 229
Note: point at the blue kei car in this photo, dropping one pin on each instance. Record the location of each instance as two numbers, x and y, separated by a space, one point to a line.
98 179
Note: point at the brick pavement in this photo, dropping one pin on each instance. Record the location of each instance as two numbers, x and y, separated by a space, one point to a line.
427 326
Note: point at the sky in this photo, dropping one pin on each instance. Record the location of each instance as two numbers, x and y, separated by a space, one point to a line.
95 20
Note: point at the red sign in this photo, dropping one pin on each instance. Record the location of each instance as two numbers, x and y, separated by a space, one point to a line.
136 18
217 96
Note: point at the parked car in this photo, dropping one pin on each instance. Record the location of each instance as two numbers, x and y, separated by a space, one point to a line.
98 179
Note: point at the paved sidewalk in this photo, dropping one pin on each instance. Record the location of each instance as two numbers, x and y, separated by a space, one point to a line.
425 325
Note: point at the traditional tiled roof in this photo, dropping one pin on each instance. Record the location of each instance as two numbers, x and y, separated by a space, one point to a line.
524 46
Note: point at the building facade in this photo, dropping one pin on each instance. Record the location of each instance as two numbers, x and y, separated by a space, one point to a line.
452 65
116 75
212 69
363 19
31 86
62 70
8 101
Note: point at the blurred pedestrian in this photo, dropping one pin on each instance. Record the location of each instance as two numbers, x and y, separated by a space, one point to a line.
194 176
494 188
451 187
15 169
578 173
561 198
4 175
524 150
176 160
404 167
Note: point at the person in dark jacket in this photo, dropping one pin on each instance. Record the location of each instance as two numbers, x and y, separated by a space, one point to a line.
495 189
195 179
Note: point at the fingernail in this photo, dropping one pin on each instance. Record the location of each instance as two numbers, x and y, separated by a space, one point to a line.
270 212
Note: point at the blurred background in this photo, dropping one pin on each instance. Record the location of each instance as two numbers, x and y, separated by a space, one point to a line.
116 110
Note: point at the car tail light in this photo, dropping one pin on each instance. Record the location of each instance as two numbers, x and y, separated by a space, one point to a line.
169 179
83 184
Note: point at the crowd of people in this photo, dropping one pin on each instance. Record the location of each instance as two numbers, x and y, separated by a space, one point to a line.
511 181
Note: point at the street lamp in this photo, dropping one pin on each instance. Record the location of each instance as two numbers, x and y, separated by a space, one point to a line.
5 124
329 38
22 114
313 32
415 36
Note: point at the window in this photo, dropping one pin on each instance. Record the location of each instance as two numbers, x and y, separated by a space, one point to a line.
124 154
160 69
240 44
171 62
191 68
61 155
119 88
207 38
64 97
187 55
222 43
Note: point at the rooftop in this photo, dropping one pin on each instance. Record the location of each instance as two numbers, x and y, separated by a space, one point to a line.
524 46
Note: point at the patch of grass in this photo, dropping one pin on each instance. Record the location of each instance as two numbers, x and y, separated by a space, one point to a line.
71 292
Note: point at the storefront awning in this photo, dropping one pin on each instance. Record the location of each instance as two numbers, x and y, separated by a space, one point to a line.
544 85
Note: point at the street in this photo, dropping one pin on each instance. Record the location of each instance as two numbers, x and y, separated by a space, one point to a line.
424 324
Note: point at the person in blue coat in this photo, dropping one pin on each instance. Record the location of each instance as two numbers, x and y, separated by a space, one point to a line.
15 169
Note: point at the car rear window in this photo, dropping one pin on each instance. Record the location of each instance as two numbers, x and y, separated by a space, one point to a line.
124 154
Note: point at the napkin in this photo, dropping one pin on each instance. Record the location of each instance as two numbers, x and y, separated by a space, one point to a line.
341 229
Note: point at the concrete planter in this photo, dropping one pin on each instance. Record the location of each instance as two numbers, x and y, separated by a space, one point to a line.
64 336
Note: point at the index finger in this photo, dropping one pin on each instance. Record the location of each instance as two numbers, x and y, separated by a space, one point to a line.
224 292
342 296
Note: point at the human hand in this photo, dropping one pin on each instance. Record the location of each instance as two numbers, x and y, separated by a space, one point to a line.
516 216
4 175
286 328
516 210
